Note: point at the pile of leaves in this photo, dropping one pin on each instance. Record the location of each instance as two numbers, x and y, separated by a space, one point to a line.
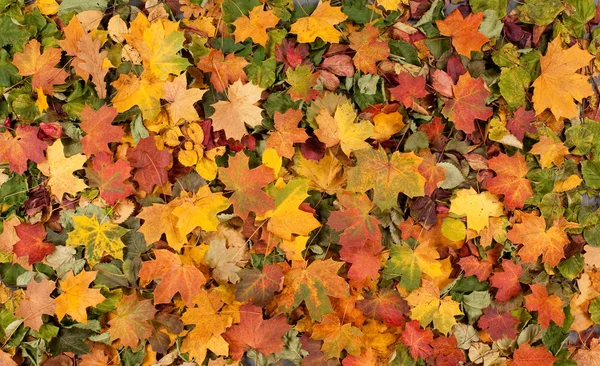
356 182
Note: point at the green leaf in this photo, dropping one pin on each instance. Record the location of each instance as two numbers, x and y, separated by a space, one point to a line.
70 340
514 83
78 6
591 173
585 10
570 268
539 12
404 264
499 6
233 9
12 34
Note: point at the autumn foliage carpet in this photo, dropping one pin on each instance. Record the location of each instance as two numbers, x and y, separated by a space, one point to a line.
253 182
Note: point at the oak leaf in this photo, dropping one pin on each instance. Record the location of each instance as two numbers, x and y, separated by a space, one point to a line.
130 322
463 31
468 104
59 170
510 179
175 276
253 332
558 83
22 147
40 65
549 308
76 296
31 242
368 50
150 163
255 25
321 23
38 302
232 115
477 207
313 286
387 177
338 337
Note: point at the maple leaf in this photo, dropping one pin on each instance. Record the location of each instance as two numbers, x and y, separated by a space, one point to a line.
31 242
175 276
9 237
498 325
550 151
427 306
532 356
181 99
465 34
326 175
558 83
232 115
409 89
255 25
477 207
302 80
210 324
76 297
337 337
507 282
150 163
409 264
364 259
224 69
320 23
110 178
468 103
341 129
417 340
225 261
259 286
548 307
99 132
473 266
99 238
130 322
286 218
446 351
158 220
521 123
588 356
38 303
40 65
90 61
59 170
385 305
368 50
354 220
536 240
387 178
247 185
313 285
287 133
199 210
144 91
434 174
253 332
387 125
510 180
22 147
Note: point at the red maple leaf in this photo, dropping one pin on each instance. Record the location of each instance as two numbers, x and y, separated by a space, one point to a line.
364 260
507 282
224 70
446 351
31 243
291 54
498 325
22 147
468 103
99 132
259 286
253 332
548 307
417 340
247 185
151 164
530 356
386 305
409 89
368 50
110 178
354 220
474 266
521 122
510 179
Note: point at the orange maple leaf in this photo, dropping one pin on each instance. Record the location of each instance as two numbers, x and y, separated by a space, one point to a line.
464 31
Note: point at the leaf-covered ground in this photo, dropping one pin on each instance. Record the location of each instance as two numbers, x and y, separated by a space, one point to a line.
361 182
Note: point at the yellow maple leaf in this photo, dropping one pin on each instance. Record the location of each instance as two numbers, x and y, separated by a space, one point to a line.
181 99
293 248
326 175
158 220
566 185
390 5
99 238
76 297
477 207
41 102
426 307
321 23
550 151
341 129
47 7
387 125
558 83
200 210
144 91
59 170
255 25
231 115
287 219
